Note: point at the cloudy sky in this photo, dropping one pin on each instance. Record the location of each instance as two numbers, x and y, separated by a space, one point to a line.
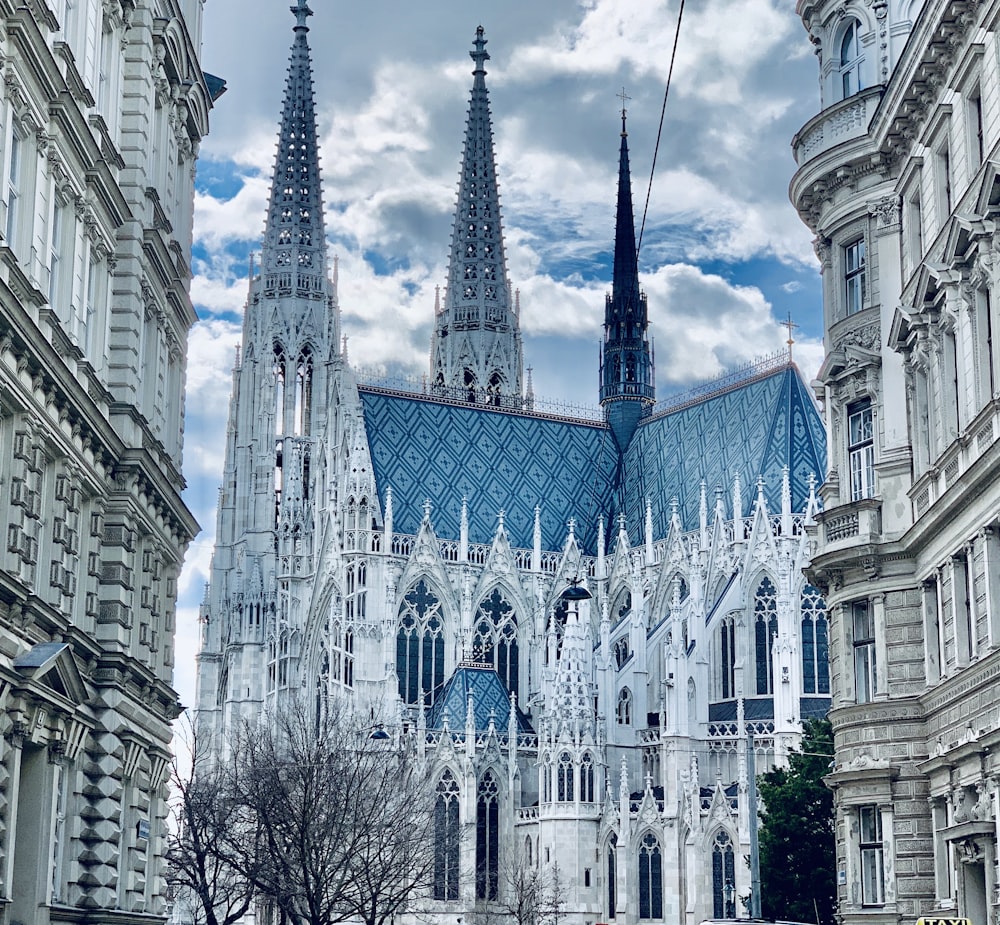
724 258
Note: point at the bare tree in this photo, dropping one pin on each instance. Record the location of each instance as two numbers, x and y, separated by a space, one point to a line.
200 868
336 825
527 895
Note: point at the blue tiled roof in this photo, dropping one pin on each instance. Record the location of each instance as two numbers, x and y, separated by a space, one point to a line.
754 429
497 461
489 699
427 449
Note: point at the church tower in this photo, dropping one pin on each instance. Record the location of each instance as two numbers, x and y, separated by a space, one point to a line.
265 540
627 391
476 346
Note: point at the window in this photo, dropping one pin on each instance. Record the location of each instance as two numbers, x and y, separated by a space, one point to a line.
864 651
913 227
986 369
587 779
861 450
727 656
815 643
942 159
487 837
650 878
447 838
495 638
13 187
625 707
612 873
872 856
723 877
55 255
974 117
564 778
851 60
765 629
854 276
622 651
419 645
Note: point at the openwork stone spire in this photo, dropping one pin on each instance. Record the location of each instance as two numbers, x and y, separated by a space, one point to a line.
294 239
626 370
476 348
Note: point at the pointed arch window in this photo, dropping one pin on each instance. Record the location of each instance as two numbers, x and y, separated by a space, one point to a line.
446 838
564 778
815 644
612 874
723 877
587 778
624 710
622 651
546 779
487 837
495 638
650 878
851 60
765 608
303 392
727 656
419 644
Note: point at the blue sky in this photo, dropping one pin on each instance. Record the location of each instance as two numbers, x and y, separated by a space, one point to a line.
724 257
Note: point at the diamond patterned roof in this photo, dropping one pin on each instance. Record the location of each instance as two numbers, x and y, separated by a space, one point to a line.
754 429
433 450
489 701
427 449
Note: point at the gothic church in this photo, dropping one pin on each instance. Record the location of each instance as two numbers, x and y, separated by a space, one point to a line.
574 621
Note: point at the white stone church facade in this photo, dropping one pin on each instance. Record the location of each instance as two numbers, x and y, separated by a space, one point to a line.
411 551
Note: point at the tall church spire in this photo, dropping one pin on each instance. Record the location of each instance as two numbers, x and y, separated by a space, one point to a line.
626 367
476 348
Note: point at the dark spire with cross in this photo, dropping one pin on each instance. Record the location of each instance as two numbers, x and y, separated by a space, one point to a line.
626 369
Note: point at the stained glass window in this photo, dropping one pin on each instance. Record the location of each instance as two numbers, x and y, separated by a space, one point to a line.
419 644
765 629
446 838
815 644
650 878
487 838
495 638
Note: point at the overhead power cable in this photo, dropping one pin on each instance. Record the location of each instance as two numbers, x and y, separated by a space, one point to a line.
659 132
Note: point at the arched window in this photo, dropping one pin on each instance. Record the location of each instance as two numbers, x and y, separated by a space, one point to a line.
487 837
303 392
546 780
851 60
650 878
278 372
727 656
495 638
765 609
723 877
419 644
564 778
587 778
625 707
612 873
622 651
446 838
527 851
815 645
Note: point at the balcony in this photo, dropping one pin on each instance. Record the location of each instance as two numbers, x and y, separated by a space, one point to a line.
851 524
836 124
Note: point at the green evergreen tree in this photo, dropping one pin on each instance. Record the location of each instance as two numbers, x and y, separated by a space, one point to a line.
796 837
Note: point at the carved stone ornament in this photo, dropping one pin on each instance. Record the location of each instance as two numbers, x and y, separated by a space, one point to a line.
821 246
886 211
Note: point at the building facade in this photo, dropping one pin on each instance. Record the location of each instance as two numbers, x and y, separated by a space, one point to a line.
410 549
897 176
102 109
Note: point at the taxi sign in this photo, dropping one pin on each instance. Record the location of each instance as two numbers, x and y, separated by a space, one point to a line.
934 920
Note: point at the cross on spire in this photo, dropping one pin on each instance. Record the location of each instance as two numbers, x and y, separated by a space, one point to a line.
301 11
624 97
791 325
